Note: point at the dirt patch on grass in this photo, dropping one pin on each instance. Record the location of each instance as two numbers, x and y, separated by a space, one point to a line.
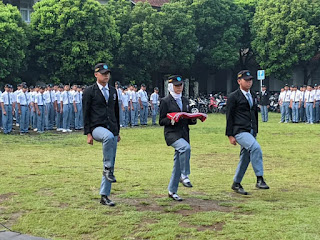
187 207
215 227
6 196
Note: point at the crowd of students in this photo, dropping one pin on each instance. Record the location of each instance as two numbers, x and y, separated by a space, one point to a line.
300 105
59 107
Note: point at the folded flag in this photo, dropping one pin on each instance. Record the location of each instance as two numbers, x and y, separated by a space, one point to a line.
175 116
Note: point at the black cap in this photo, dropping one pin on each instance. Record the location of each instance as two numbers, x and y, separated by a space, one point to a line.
304 86
143 85
175 80
286 85
38 86
135 86
316 85
263 86
117 83
7 86
125 87
31 87
42 87
156 89
101 68
245 74
24 86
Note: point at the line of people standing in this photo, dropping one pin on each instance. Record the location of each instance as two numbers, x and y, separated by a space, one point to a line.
41 108
300 105
132 102
49 107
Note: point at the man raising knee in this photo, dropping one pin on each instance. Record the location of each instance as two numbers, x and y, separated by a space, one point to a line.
242 128
102 123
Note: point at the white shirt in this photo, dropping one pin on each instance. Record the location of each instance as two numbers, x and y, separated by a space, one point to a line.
295 96
281 96
6 98
77 97
302 96
154 98
309 97
125 99
39 99
287 95
58 94
143 95
133 96
119 91
49 96
15 95
316 94
66 97
23 98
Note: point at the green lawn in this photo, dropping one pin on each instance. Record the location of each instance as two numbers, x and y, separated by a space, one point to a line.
49 186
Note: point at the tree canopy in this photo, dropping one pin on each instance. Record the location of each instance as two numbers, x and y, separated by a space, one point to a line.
286 33
69 37
14 41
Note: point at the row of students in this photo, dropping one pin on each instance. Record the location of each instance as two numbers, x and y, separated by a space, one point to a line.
132 102
300 105
42 108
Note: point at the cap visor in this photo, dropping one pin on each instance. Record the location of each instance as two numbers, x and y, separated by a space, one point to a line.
177 83
104 71
248 78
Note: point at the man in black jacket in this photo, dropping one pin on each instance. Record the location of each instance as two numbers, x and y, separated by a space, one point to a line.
264 103
242 128
101 123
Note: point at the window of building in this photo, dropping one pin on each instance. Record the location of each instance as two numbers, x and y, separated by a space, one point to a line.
26 9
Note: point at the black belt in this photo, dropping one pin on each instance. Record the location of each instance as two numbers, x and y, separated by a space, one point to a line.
296 102
23 105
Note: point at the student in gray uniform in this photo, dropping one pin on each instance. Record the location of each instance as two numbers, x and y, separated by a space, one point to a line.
0 113
125 107
50 102
66 108
23 101
59 118
119 92
143 102
154 98
77 106
134 107
15 105
7 109
41 110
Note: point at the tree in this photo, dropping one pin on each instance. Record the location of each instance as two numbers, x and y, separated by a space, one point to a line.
69 37
286 34
218 30
246 53
14 41
141 47
179 37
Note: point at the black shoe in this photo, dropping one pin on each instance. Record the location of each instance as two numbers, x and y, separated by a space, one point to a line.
175 197
186 184
261 184
238 188
106 201
108 173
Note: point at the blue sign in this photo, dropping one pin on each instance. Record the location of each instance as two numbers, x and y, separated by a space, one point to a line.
261 75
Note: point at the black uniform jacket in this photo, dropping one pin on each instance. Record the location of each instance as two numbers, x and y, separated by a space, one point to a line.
240 117
264 99
97 112
180 129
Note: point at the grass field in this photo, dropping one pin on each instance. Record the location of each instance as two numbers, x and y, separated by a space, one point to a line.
49 186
